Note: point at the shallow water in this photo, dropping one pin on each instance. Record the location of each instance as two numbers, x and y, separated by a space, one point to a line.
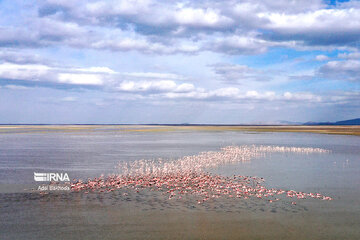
150 215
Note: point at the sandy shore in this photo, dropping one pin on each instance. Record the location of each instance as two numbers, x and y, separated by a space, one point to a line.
342 130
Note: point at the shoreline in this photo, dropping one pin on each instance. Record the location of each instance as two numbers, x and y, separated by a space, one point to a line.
323 129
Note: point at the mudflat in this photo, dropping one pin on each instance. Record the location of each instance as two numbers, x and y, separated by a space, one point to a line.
323 129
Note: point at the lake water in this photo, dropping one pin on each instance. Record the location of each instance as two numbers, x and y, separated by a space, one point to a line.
83 154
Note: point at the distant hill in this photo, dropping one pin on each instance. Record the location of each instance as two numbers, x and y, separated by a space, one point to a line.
355 121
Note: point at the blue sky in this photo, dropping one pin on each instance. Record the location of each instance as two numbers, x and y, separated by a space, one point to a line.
149 61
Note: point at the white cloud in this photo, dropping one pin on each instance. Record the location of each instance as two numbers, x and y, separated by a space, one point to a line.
230 92
12 36
16 87
20 57
237 73
96 76
352 55
155 85
79 78
324 20
163 27
51 29
235 95
124 7
346 70
44 73
147 86
239 45
32 72
319 27
97 70
201 18
141 44
301 97
154 75
129 44
322 58
185 87
68 99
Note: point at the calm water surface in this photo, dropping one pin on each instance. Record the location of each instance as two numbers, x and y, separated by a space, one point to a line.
25 215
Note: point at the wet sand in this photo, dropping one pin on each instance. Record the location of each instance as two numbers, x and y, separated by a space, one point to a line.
340 130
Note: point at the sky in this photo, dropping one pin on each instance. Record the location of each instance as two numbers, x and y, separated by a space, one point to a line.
204 61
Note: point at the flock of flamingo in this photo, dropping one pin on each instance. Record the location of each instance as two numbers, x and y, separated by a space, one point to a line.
188 176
